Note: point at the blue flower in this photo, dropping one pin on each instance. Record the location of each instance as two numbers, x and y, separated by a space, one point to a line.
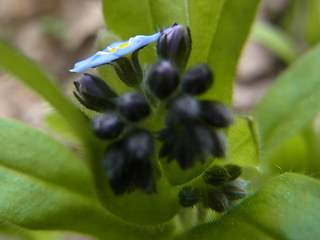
115 51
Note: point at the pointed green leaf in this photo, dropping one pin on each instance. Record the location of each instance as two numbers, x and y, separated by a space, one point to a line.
300 153
219 29
290 103
44 186
44 84
18 233
204 18
287 208
312 22
34 153
59 128
129 18
292 156
244 143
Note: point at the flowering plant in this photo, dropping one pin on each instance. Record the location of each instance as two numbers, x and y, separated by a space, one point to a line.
165 157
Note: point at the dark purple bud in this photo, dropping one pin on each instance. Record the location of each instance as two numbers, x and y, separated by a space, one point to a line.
94 93
175 45
133 106
183 109
115 164
139 146
219 144
197 79
108 125
187 144
169 139
216 114
189 196
163 79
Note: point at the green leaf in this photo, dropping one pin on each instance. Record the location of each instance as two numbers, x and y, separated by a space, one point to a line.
40 235
44 186
34 153
204 17
244 143
129 18
219 30
44 84
312 22
300 153
59 128
292 156
312 141
290 103
275 40
287 208
15 232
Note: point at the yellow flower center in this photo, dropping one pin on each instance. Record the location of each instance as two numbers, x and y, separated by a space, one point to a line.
112 50
124 45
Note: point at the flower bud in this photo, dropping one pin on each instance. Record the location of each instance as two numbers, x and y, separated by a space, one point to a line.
169 139
115 164
94 93
133 106
108 125
216 114
219 144
163 79
183 109
189 196
216 176
175 45
217 201
187 144
233 192
144 176
128 71
197 79
234 171
139 147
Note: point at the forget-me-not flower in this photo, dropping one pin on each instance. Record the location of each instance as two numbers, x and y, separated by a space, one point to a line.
115 51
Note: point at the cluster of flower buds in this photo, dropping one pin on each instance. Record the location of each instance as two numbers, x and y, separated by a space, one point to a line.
129 160
193 127
221 190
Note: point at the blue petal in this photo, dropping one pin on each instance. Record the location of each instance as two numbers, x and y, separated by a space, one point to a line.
106 56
